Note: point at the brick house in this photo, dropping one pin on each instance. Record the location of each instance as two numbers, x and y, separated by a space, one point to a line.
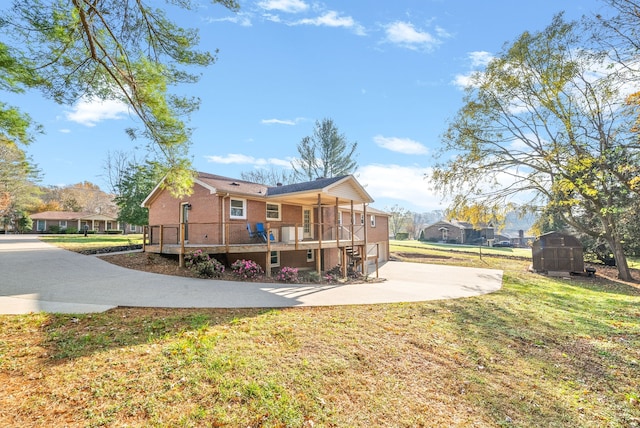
63 220
47 221
313 225
458 232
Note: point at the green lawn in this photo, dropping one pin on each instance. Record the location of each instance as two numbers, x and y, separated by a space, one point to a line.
417 245
429 247
91 242
541 352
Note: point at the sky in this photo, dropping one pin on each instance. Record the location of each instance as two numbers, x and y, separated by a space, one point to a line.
390 74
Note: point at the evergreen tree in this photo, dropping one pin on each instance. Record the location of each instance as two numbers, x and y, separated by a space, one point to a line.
324 154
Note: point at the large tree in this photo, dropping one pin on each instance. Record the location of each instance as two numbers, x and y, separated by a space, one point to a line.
399 219
136 184
546 121
326 153
122 50
84 196
269 177
18 177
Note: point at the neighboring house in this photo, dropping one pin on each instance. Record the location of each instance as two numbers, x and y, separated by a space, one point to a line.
312 225
458 232
63 220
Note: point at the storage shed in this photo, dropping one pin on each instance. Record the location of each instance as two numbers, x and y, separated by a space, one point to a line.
557 252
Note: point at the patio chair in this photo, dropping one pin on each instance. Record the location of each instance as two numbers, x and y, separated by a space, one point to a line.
261 232
252 234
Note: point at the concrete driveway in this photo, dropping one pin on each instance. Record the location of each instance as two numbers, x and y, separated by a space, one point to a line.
35 277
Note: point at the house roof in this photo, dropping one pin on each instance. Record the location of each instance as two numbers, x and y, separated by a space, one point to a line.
70 216
344 189
220 184
456 224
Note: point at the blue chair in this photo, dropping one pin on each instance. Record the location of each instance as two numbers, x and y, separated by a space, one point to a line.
252 234
261 232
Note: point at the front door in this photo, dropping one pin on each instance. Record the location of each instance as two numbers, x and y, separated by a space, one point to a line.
184 218
307 223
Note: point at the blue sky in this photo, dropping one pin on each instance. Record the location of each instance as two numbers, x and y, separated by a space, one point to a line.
389 73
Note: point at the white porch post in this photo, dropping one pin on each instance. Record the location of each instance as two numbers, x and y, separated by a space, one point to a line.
318 258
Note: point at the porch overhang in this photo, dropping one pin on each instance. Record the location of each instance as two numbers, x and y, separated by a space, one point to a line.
343 191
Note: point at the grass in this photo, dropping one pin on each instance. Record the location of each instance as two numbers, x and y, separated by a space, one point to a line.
91 242
418 246
540 352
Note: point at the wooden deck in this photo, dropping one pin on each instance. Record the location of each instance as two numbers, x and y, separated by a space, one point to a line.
250 248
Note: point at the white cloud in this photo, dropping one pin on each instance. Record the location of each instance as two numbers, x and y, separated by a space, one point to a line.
236 158
406 35
401 145
242 19
463 81
289 122
65 131
333 19
89 112
288 6
404 185
480 58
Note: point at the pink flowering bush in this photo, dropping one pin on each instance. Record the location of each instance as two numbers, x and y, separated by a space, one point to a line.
288 274
246 269
330 278
200 263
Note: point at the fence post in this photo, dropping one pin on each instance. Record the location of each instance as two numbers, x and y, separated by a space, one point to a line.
181 245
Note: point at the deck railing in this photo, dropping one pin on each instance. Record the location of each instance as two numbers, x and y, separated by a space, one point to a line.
235 233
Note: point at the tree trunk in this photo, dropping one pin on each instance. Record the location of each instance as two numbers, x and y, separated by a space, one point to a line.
613 239
621 260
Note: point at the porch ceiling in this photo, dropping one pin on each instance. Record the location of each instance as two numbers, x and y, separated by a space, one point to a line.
311 198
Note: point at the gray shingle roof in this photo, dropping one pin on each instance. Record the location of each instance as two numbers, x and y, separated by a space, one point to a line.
318 184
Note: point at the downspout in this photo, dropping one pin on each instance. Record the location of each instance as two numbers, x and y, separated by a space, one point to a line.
222 220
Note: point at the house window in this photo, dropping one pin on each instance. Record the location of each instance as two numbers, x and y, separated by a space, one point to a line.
132 227
361 219
238 208
40 225
339 218
310 255
273 211
275 258
63 224
373 221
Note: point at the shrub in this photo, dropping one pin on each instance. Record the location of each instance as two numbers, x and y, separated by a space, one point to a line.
54 228
200 263
113 232
313 276
71 230
288 274
335 273
246 269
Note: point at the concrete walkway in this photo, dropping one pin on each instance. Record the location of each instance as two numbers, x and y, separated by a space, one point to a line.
35 277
